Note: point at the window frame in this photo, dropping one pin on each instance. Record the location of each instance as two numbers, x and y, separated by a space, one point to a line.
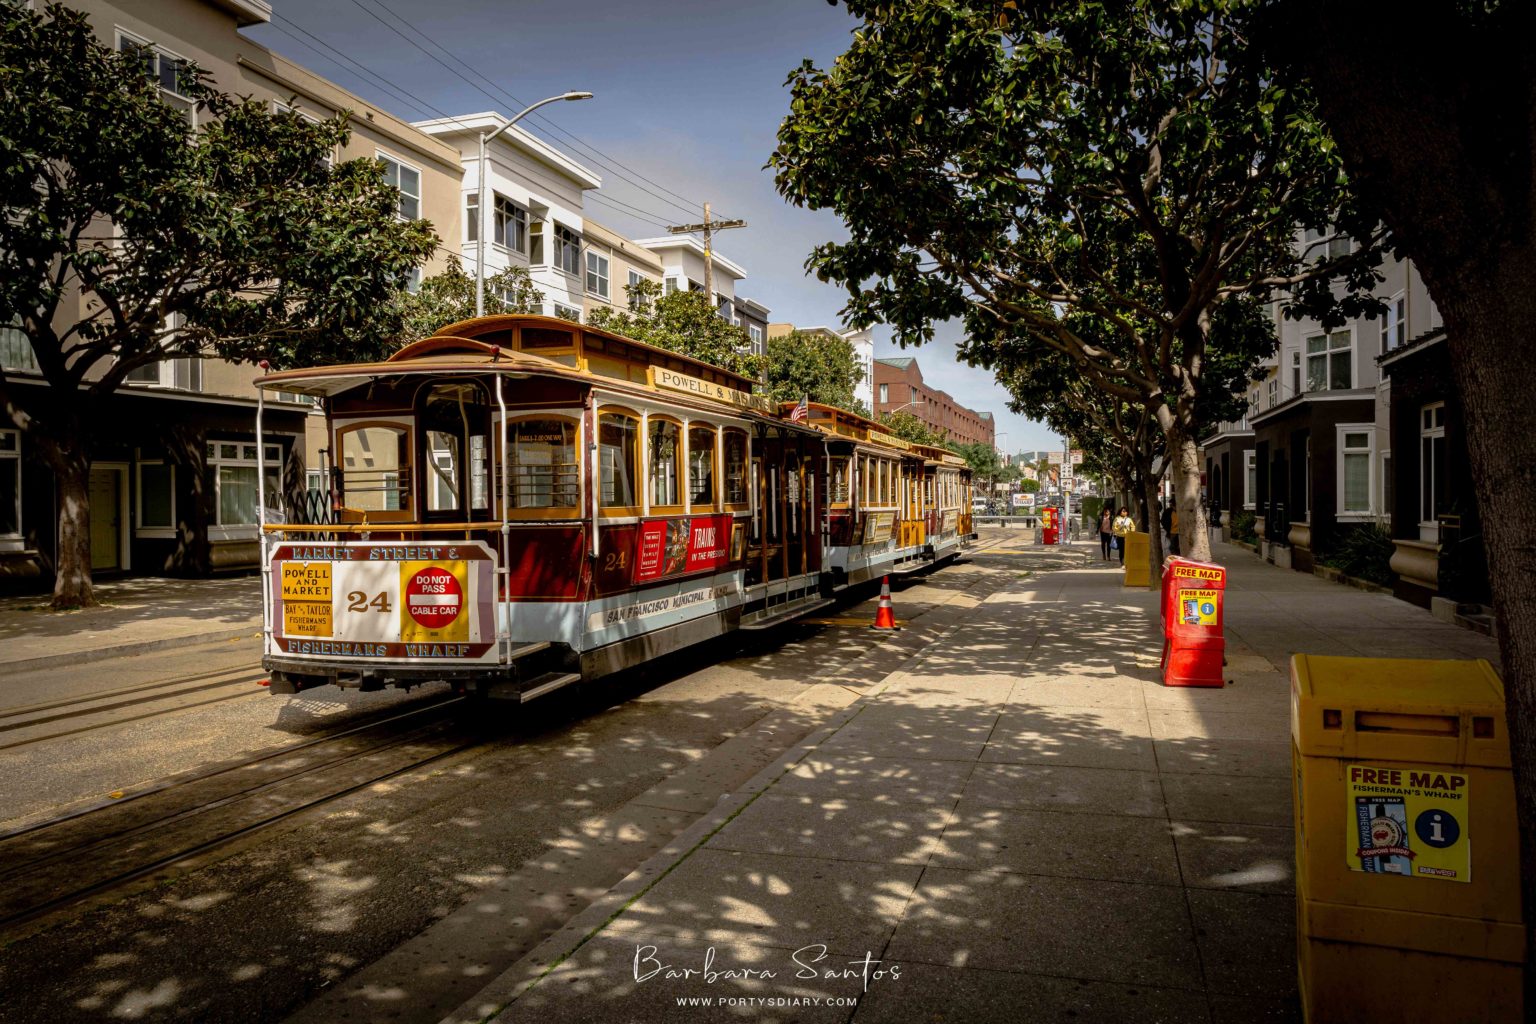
387 158
571 419
637 464
516 215
1327 355
563 241
406 425
1250 478
746 470
1341 452
680 468
158 52
214 460
14 541
140 528
605 277
715 481
1427 435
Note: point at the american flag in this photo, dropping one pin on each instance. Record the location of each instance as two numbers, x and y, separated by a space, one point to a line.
800 412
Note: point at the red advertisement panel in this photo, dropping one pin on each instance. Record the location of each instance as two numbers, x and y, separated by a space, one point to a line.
667 547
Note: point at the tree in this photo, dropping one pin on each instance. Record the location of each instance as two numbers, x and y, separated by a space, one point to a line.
909 428
683 321
449 297
1443 151
983 460
128 239
1026 484
1018 165
802 363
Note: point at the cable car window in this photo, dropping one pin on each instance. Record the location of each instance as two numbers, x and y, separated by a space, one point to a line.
735 443
618 449
544 464
701 466
376 468
840 480
443 465
663 455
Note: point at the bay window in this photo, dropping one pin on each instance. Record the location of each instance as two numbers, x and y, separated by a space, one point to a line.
1330 362
1357 444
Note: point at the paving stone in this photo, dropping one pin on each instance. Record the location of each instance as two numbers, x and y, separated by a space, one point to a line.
1254 858
836 827
727 896
1247 942
1109 846
881 779
1251 799
1108 931
1085 737
1110 691
1066 788
1258 724
945 734
1226 757
925 994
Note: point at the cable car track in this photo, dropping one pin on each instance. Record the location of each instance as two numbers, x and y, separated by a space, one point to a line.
49 868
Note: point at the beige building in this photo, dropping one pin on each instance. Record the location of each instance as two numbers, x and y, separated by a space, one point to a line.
614 263
174 490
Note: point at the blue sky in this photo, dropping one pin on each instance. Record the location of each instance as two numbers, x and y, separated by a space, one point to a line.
688 97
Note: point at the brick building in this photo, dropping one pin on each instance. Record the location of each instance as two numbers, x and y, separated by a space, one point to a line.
899 387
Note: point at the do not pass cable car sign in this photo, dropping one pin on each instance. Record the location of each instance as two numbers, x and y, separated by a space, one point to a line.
433 598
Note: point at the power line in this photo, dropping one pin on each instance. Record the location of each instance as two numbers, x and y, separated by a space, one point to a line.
611 163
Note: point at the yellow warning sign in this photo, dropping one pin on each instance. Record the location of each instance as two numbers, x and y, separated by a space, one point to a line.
306 618
306 581
1409 821
433 596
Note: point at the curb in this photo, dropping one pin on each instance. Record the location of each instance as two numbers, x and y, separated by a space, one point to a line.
503 991
85 657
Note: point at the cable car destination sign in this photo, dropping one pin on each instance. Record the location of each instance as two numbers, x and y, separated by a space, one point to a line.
388 601
661 377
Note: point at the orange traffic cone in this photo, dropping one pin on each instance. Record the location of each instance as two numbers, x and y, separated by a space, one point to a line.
885 615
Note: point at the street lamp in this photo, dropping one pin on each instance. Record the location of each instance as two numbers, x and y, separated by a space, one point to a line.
485 202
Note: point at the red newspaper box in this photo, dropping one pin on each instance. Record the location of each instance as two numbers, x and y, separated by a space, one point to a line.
1193 603
1048 525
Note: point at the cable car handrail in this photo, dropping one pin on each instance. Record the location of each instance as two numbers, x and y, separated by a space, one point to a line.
489 524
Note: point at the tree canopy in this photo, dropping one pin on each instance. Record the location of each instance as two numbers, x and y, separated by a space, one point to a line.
909 428
683 321
1015 166
803 363
129 238
448 297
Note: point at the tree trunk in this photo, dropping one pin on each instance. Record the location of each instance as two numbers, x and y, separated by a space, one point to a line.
1149 485
1194 537
72 472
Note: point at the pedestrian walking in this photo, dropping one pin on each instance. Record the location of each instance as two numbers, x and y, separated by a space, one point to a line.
1170 521
1106 532
1122 526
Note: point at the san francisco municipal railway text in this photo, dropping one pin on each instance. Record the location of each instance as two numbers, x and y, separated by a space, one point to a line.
401 553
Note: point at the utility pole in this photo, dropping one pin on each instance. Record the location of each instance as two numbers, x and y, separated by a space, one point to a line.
709 227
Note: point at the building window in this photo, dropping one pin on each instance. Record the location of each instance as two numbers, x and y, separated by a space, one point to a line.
544 467
411 282
232 470
10 485
1394 324
568 313
472 216
597 274
1250 479
885 392
1274 392
634 280
282 108
567 250
1330 362
166 70
181 374
408 180
1432 468
1296 373
756 334
727 309
670 286
16 350
510 227
1357 443
156 496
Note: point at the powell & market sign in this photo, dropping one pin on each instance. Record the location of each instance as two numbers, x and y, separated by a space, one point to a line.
674 381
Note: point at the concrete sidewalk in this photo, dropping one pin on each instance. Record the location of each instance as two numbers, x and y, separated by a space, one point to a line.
1021 824
136 616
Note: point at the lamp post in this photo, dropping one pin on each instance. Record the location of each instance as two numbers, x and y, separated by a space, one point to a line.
486 202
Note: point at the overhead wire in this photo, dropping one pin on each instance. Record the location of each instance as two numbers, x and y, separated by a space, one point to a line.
343 60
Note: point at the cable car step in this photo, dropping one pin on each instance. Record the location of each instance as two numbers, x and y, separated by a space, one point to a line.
905 570
528 649
793 613
547 683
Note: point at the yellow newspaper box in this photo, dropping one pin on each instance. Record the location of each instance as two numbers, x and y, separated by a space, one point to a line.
1138 567
1407 856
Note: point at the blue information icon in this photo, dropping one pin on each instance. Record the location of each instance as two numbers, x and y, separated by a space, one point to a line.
1437 828
1207 608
